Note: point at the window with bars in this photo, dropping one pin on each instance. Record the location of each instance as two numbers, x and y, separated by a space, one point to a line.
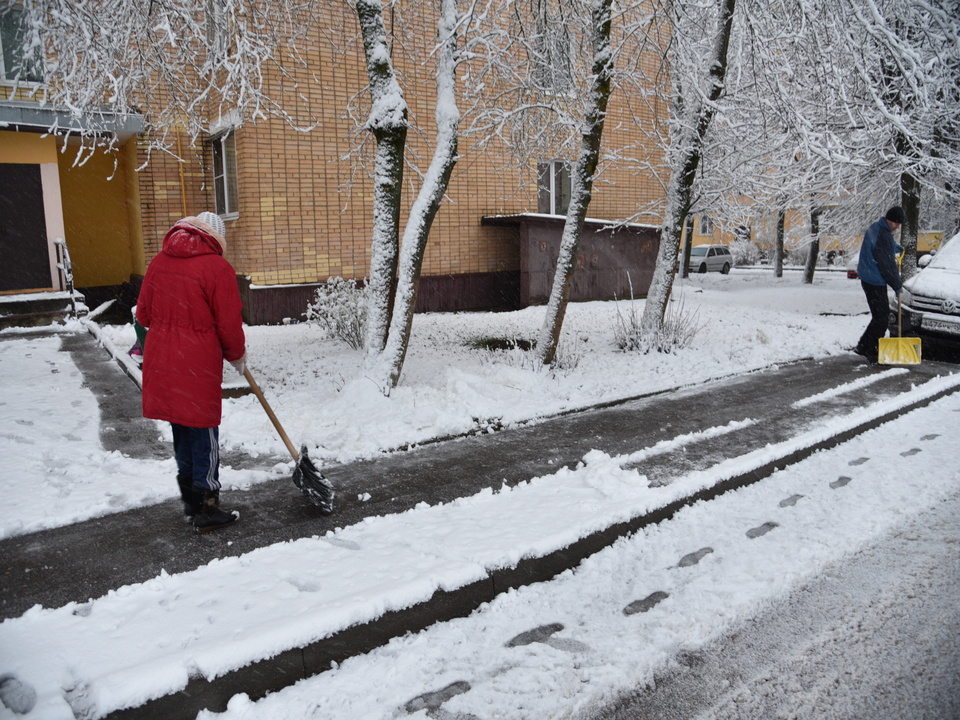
17 61
224 150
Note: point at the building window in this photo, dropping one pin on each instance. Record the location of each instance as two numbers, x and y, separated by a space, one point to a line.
552 68
17 63
224 147
706 225
218 29
553 187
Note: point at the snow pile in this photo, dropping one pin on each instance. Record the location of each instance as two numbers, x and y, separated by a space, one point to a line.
50 454
145 640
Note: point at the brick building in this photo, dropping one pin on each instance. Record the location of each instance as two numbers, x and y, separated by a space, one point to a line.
297 205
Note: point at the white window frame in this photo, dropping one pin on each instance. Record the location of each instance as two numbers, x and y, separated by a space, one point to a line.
554 185
223 148
8 76
706 225
218 29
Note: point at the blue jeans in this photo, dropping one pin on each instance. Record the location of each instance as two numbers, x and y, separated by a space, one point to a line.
198 455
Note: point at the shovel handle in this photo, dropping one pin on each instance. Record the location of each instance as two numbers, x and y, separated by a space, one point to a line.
270 413
899 315
899 304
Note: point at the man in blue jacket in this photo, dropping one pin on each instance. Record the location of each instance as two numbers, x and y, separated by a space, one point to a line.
877 268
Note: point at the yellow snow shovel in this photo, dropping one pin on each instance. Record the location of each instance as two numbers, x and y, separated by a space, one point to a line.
899 350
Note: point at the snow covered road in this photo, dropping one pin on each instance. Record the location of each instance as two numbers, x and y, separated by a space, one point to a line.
564 648
687 580
873 636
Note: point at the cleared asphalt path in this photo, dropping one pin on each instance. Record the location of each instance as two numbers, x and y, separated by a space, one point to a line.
87 559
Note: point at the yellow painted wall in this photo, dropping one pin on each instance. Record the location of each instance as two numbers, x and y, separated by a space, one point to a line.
927 241
96 217
27 148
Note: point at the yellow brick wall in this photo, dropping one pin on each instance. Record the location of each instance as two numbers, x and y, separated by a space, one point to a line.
305 211
169 191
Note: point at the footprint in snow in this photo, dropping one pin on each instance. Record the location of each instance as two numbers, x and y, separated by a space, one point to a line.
910 452
17 696
694 557
544 634
761 530
859 461
647 604
538 634
431 701
790 501
345 544
934 436
840 482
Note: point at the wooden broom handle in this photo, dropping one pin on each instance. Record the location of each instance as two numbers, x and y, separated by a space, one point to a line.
270 413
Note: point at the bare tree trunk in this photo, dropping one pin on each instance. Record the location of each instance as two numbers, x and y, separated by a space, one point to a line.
582 190
686 244
778 251
814 251
388 123
428 200
910 201
683 176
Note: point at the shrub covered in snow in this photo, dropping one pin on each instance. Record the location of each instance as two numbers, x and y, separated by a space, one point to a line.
340 308
745 252
679 328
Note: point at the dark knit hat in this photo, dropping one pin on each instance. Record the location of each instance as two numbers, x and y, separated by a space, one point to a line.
895 214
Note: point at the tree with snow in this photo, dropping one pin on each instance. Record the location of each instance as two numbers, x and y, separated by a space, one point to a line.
542 88
698 82
582 180
387 344
180 64
848 109
388 122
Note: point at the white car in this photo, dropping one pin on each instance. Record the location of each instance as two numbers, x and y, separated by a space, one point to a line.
931 298
704 258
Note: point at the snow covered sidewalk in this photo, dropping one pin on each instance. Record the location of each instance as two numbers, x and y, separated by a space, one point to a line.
233 617
145 641
643 607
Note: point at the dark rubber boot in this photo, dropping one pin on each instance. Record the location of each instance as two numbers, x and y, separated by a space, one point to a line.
211 517
190 505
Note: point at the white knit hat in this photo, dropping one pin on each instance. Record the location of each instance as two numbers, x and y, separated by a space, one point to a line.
215 223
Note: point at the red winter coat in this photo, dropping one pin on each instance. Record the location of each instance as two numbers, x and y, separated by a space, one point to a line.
190 304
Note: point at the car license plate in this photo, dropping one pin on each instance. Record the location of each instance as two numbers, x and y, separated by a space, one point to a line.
937 325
